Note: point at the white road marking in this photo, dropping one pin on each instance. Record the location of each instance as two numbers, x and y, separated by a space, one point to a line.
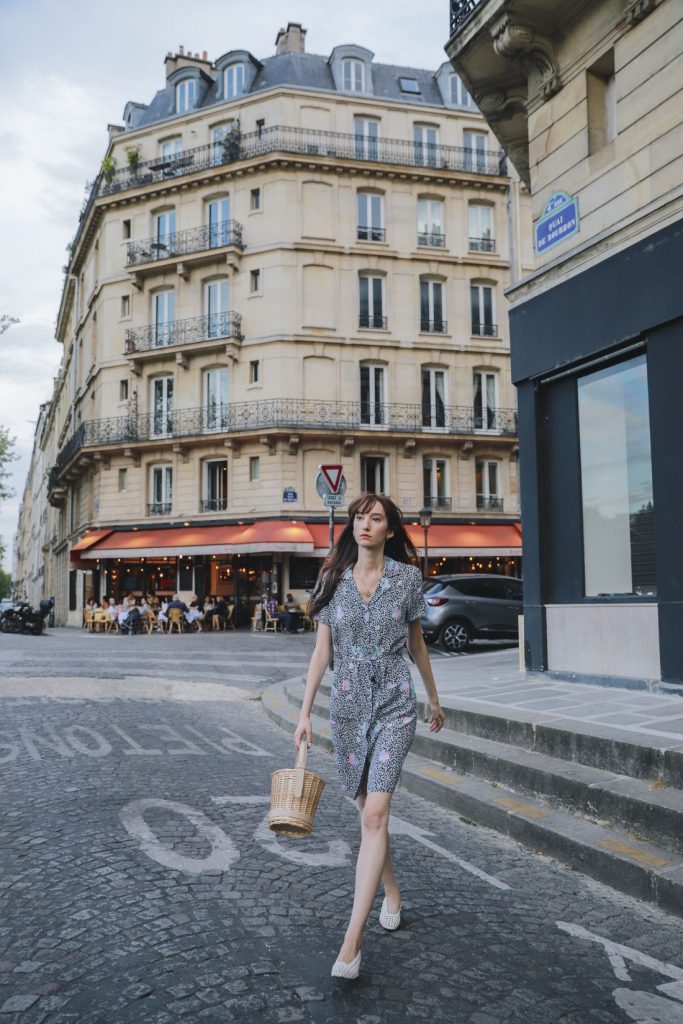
223 850
398 826
623 953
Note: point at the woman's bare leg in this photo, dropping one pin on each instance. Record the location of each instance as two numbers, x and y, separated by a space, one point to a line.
372 856
391 886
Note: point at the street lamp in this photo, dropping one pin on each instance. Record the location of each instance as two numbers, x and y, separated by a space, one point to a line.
425 523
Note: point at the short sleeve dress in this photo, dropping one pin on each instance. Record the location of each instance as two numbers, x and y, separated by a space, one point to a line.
373 714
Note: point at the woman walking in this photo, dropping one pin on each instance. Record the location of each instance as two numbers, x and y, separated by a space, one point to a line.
368 601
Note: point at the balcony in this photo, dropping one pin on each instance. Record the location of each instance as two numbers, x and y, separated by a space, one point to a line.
211 327
371 322
496 421
160 508
185 243
488 503
287 414
438 503
482 245
434 326
307 142
367 234
433 239
460 12
213 505
485 330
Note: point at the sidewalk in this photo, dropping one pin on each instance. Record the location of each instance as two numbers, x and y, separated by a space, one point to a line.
493 678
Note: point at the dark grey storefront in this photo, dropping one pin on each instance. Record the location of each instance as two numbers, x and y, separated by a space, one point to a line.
598 362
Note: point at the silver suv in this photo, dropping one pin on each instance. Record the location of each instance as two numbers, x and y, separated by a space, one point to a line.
468 607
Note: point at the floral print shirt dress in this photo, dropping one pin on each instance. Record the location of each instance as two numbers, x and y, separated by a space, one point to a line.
373 713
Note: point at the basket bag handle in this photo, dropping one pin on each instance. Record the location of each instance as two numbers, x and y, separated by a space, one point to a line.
299 767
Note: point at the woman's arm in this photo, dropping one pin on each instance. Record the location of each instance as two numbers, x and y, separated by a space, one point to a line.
418 651
320 659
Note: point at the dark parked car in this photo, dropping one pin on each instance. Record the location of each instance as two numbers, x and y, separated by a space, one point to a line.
471 607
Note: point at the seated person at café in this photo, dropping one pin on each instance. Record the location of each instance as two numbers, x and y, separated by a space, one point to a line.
288 617
194 614
219 613
163 608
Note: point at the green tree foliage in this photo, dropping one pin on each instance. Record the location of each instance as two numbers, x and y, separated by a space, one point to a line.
5 583
7 455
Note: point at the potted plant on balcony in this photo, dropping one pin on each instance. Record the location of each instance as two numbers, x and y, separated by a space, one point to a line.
109 169
133 155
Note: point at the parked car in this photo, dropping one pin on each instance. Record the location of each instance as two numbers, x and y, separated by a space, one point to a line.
462 608
5 604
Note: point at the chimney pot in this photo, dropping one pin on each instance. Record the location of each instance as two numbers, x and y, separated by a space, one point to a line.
292 39
204 55
181 50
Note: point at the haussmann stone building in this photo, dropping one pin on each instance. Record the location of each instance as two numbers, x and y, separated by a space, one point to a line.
283 263
586 99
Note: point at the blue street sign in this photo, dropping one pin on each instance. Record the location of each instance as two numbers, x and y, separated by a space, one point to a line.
289 494
559 220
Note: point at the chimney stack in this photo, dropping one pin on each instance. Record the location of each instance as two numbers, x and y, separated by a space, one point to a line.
291 40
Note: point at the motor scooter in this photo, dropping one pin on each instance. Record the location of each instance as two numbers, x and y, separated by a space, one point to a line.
25 619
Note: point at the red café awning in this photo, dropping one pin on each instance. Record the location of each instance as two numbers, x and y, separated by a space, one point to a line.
283 535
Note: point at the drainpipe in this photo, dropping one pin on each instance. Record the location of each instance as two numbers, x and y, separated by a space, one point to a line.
511 235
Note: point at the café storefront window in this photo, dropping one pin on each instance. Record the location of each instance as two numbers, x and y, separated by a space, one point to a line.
616 481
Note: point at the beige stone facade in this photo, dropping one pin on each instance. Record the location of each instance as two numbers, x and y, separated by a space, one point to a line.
586 99
279 279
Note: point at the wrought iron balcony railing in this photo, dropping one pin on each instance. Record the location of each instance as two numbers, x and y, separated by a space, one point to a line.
287 413
160 508
485 330
438 503
182 243
434 326
213 505
435 239
372 322
307 142
482 245
460 12
488 503
184 332
368 234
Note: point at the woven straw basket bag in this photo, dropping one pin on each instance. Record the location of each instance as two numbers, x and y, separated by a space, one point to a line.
294 796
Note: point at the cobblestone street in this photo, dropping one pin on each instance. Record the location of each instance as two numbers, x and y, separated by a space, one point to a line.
138 882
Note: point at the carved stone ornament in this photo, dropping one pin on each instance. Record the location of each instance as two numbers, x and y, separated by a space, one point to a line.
499 105
534 53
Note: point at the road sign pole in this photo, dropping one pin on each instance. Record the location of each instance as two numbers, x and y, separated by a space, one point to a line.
331 528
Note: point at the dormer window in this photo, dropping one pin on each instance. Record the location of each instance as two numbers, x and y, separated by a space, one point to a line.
185 95
459 95
353 75
234 79
410 85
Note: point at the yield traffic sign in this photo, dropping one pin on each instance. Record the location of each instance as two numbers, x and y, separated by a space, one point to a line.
333 475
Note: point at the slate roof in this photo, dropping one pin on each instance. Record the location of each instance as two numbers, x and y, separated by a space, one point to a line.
307 70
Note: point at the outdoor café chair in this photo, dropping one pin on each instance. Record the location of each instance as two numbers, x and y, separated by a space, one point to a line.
175 620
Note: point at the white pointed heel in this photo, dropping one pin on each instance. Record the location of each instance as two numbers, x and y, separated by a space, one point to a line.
344 970
387 920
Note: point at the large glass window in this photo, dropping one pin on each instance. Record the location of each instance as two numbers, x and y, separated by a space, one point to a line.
162 406
234 79
161 490
481 228
371 295
431 307
616 481
459 95
435 485
425 141
219 222
372 394
164 317
353 75
366 131
370 217
481 300
372 473
486 476
485 400
185 95
216 307
216 398
215 486
433 397
475 151
165 233
430 230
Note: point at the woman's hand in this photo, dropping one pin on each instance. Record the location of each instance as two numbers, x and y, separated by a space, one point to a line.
304 728
436 716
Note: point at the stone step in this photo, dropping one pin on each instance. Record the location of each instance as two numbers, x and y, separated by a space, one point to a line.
631 804
599 746
641 868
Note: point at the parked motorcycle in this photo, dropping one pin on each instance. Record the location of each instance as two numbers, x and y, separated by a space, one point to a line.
25 619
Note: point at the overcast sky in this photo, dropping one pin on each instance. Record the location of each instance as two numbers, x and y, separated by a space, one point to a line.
68 67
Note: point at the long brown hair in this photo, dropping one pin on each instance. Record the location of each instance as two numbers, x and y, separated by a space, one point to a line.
345 551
